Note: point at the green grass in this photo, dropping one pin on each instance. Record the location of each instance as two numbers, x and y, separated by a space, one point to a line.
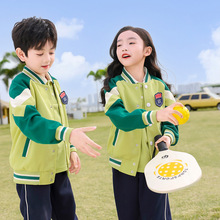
92 187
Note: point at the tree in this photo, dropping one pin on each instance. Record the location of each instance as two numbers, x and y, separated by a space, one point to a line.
78 103
10 73
98 75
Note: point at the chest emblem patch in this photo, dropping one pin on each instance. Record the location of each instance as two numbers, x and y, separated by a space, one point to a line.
158 99
64 97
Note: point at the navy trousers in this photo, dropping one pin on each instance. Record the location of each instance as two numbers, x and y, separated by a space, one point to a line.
43 202
135 201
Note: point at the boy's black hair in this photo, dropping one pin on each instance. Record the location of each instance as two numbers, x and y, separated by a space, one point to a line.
33 33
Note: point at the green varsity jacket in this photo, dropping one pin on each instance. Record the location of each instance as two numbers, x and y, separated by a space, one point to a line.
132 107
39 129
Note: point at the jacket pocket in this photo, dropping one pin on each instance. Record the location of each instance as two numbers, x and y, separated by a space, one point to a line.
116 136
26 147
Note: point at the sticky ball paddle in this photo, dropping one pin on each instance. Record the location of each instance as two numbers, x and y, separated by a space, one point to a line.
184 111
171 170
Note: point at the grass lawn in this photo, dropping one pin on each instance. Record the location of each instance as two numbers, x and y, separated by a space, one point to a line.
92 187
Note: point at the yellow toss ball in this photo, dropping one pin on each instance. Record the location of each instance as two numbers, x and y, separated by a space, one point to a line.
184 111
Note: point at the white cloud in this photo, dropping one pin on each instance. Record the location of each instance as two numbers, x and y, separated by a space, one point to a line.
216 37
69 28
70 66
71 71
210 59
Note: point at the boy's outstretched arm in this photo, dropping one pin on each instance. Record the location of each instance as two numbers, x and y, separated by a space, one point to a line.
82 142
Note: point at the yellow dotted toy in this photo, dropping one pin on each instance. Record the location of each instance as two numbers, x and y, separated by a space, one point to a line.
184 111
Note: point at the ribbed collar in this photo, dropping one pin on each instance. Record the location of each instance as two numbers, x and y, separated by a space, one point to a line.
129 78
36 77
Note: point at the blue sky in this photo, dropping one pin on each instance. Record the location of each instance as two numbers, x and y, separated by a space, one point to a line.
186 35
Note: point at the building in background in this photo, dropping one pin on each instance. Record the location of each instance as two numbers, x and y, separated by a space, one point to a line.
197 87
4 112
94 104
214 88
78 108
189 88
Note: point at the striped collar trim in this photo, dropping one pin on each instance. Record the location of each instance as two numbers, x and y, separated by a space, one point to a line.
129 78
35 77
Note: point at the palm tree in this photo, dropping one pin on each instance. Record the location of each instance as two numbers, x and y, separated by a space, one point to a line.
10 73
98 75
78 102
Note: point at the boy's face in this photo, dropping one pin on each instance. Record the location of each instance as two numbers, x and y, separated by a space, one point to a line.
39 61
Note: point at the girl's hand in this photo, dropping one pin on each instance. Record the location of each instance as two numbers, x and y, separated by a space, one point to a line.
166 139
166 114
75 164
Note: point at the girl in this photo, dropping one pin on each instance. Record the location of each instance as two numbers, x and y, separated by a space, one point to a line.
140 106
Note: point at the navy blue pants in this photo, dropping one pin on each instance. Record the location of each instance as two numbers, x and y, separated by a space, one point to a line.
43 202
134 200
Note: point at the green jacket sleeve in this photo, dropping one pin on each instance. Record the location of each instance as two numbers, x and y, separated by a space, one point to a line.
28 119
120 117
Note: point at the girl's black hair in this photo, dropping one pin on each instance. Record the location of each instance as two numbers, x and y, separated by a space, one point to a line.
115 67
33 33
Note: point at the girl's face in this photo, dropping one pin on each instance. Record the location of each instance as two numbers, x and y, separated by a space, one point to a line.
131 50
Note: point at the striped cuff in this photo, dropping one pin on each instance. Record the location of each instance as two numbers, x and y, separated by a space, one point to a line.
149 117
72 148
27 177
170 134
63 133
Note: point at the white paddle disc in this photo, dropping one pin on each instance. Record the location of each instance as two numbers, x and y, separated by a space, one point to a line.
171 170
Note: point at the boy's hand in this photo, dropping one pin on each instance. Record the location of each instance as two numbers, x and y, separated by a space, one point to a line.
75 164
166 114
166 139
82 142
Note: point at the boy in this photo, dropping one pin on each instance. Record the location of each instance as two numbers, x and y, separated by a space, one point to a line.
43 146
